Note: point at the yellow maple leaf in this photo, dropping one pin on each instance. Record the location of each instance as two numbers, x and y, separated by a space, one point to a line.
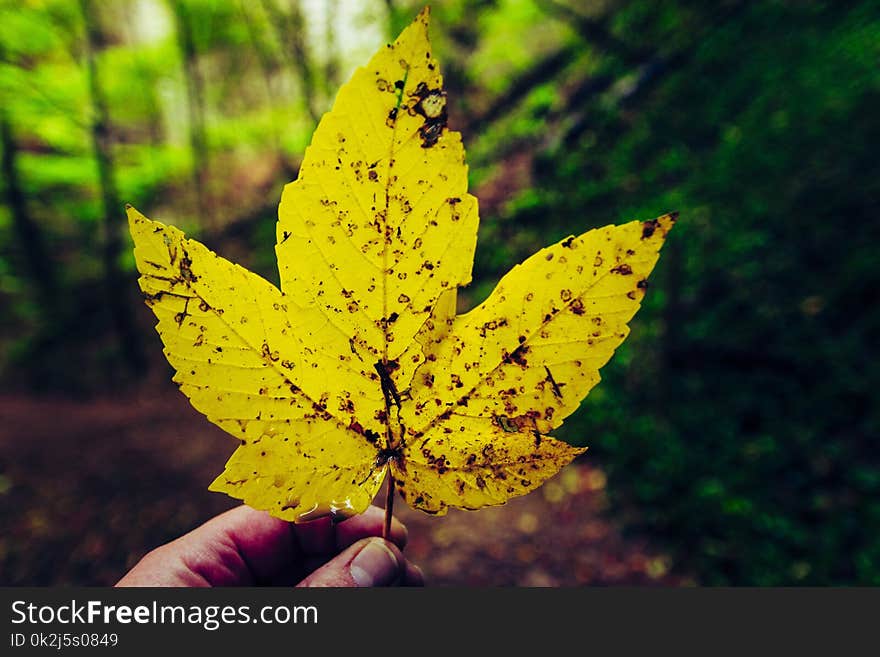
358 367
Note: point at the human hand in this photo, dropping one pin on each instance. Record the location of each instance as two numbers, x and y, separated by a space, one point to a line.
244 547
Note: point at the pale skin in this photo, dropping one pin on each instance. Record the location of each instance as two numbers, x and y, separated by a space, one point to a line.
245 547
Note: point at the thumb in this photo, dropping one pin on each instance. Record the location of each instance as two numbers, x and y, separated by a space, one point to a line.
369 562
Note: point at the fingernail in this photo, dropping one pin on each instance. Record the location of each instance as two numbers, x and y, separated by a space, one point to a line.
374 565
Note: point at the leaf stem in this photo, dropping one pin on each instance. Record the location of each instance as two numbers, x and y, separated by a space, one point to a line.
389 508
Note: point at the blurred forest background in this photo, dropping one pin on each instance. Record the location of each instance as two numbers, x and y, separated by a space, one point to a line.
734 437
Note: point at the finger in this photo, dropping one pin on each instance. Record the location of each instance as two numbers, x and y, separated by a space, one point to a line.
323 537
239 547
412 575
370 523
316 537
369 562
243 547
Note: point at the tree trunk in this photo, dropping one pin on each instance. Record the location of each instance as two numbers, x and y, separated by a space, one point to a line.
269 66
117 285
331 65
195 95
33 245
290 28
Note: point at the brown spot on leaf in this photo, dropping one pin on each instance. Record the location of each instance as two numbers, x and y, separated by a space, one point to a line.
557 390
185 269
268 353
431 105
517 356
430 133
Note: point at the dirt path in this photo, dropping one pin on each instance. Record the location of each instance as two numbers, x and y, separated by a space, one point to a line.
86 488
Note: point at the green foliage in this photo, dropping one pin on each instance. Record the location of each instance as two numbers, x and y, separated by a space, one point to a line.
739 422
745 427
